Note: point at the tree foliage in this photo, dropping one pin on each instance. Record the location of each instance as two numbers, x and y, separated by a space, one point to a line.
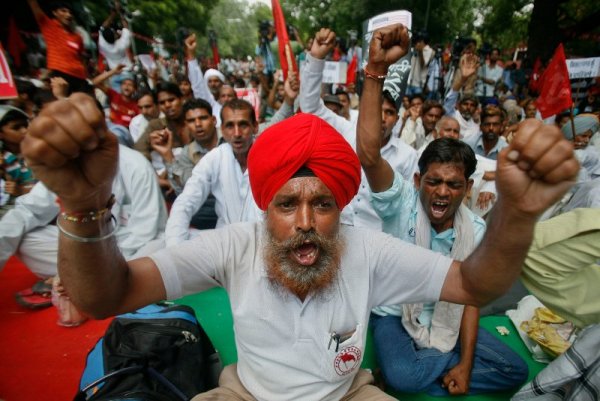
236 25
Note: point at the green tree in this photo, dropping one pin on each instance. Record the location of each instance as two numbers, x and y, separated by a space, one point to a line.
236 24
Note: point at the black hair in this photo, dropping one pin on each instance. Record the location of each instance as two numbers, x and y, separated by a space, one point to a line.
168 87
448 150
147 92
193 104
181 78
387 97
417 96
340 91
239 104
12 115
26 87
432 104
108 34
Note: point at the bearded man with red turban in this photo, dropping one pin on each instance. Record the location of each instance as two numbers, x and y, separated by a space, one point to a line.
301 286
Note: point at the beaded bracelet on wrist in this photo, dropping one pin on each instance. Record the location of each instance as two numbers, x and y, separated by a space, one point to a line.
86 217
378 78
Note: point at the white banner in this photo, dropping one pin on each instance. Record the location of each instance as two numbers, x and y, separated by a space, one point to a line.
583 67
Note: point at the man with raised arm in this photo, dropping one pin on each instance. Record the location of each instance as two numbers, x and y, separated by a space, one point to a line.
420 346
301 286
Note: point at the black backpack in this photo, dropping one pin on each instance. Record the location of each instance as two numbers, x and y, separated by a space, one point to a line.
157 353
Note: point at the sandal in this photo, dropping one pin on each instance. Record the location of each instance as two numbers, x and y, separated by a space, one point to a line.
32 300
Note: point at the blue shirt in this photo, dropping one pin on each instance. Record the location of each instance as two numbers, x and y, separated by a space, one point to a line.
397 208
476 143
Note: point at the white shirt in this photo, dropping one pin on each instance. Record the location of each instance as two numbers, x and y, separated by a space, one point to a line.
494 73
401 157
218 173
418 74
116 53
139 208
359 212
283 344
137 126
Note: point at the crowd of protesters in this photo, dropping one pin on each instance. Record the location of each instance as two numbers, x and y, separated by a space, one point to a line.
185 129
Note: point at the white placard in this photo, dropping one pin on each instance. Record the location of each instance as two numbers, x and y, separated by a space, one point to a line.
393 17
583 67
335 72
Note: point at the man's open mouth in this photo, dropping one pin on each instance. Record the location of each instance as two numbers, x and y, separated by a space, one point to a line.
306 254
438 208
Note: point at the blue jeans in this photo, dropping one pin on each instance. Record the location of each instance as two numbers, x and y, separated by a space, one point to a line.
405 368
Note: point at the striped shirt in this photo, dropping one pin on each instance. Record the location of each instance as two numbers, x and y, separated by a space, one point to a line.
63 48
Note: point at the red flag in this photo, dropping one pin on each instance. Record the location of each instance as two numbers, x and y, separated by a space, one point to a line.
555 87
286 56
534 81
351 74
16 46
8 88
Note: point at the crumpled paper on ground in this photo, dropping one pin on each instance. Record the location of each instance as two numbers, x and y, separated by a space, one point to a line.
522 319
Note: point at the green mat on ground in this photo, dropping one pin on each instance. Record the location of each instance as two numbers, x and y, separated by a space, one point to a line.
214 313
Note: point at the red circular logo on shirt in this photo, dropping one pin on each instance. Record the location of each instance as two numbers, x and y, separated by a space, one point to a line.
347 360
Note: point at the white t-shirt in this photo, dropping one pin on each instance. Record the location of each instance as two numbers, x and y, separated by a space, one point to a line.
283 344
116 53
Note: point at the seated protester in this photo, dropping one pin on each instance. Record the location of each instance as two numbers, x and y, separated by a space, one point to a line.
411 119
463 106
122 106
28 232
148 105
432 347
16 178
297 278
402 157
276 93
348 113
222 172
419 132
201 123
490 141
482 195
332 102
586 125
226 94
185 87
171 106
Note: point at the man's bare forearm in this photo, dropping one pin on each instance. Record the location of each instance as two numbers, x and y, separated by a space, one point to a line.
496 263
94 273
368 138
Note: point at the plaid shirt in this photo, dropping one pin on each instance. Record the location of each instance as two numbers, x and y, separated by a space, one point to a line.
573 376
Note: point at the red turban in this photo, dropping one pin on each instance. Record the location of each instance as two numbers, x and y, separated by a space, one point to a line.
302 140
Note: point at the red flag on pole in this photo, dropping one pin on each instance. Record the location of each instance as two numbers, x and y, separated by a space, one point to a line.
351 74
286 56
555 87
